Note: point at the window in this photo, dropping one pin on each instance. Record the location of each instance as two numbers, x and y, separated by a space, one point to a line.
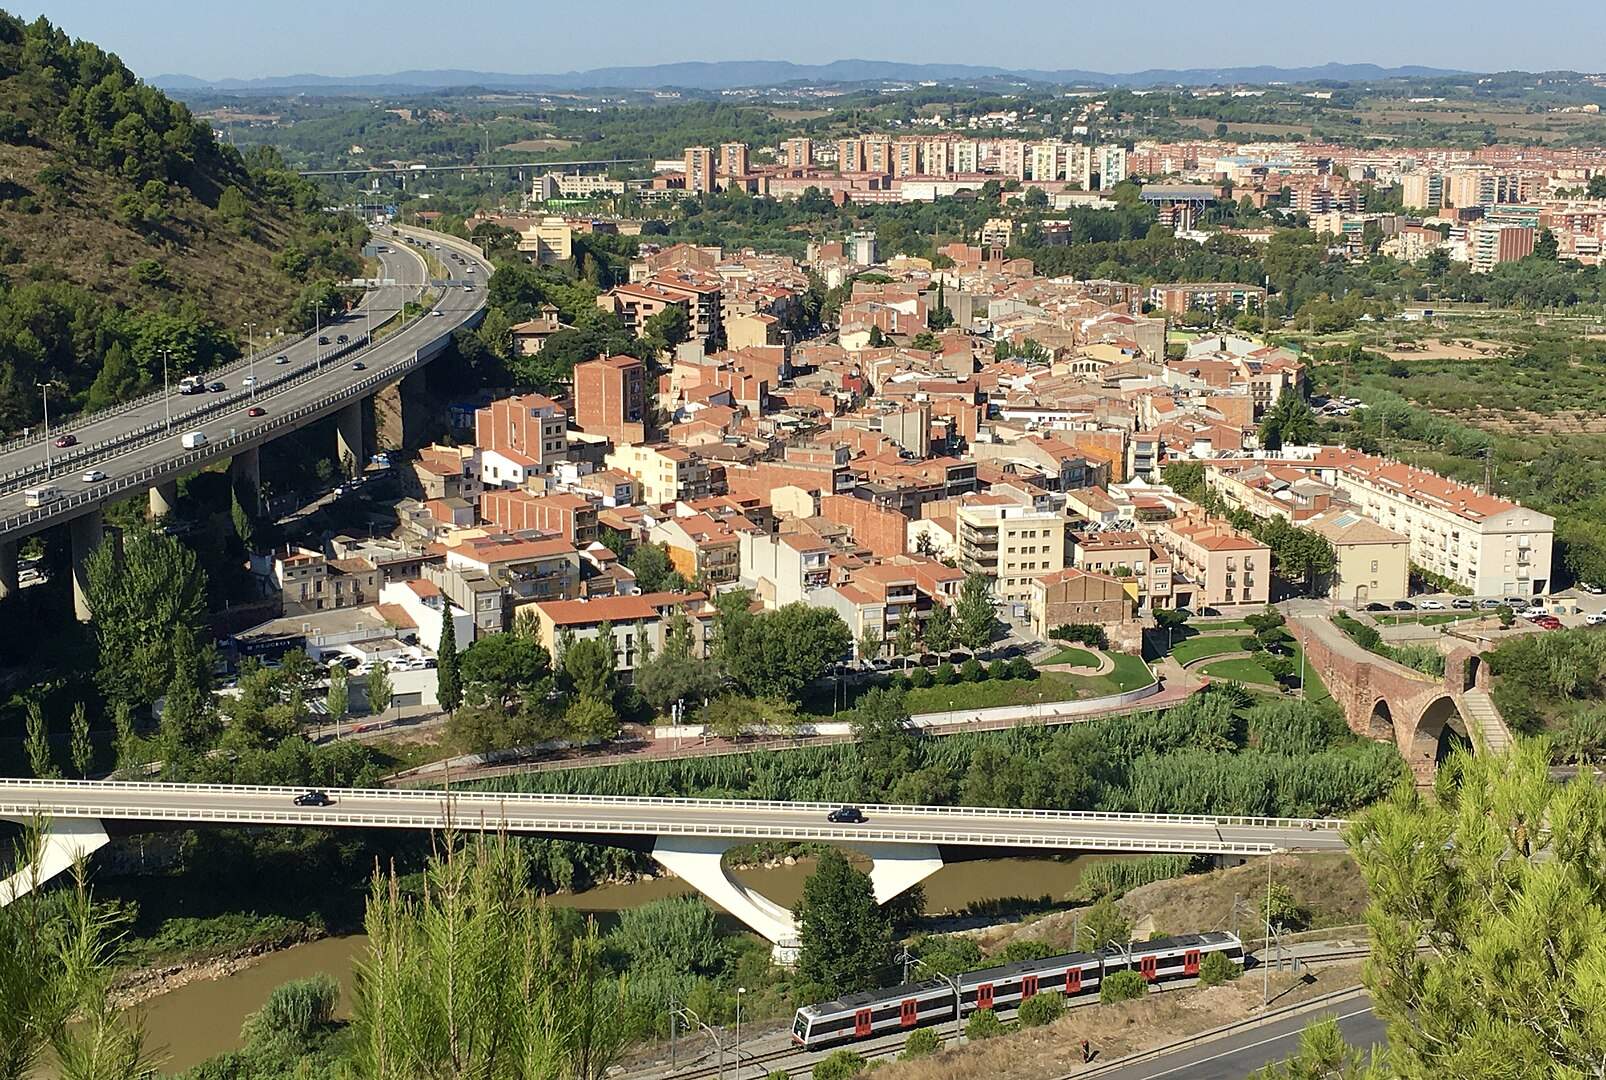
1374 566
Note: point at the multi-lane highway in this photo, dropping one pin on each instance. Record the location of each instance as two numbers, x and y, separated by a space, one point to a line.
313 388
650 818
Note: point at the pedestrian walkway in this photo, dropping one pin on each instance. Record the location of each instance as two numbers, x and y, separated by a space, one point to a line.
1481 711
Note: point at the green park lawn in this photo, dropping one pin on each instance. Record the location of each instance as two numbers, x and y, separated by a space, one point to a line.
1073 656
1244 669
1197 648
1049 686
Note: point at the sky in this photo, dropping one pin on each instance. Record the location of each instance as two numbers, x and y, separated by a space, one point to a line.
215 39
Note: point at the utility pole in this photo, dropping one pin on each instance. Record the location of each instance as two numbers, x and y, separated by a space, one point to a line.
740 990
251 362
44 388
1265 982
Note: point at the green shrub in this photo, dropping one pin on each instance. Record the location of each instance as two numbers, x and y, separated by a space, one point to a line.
839 1066
945 675
1021 668
1025 949
295 1010
972 671
1119 875
897 681
1122 986
920 678
1041 1009
984 1024
778 1074
998 669
922 1042
1217 969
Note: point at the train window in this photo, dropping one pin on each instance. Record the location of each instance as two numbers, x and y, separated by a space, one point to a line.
984 996
1190 962
1028 987
861 1022
1148 967
1073 981
800 1027
908 1012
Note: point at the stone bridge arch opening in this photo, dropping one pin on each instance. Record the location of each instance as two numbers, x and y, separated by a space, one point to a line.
1471 672
1440 730
1380 722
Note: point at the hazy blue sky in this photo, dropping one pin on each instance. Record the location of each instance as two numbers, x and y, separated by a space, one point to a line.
249 38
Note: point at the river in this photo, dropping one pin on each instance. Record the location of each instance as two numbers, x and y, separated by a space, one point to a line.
202 1019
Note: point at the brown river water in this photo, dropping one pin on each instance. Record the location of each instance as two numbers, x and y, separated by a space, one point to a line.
195 1022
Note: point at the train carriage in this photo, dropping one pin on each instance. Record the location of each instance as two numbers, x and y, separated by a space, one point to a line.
873 1013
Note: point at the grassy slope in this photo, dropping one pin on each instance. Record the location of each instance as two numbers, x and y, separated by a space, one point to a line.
74 235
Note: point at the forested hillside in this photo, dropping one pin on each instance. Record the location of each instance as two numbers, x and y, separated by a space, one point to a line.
126 229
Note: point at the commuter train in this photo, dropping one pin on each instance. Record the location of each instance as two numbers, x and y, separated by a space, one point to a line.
879 1012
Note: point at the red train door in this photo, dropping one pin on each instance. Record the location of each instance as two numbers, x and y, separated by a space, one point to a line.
1190 962
1073 981
1148 967
1028 987
908 1012
861 1023
984 996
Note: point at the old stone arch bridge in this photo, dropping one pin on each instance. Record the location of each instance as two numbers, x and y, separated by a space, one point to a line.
1422 715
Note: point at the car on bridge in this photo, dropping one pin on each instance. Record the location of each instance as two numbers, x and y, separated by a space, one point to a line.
217 387
66 441
93 476
323 339
846 815
313 798
256 410
281 359
359 366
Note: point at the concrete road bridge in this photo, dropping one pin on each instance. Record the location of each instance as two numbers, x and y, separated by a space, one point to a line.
139 446
688 836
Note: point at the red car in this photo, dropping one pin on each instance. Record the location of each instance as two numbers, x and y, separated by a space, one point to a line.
1549 622
67 440
256 410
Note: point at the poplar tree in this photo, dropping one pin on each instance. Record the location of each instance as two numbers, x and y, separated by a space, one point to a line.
448 681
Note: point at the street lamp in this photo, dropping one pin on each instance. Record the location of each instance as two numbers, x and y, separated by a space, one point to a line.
167 394
740 990
44 389
251 344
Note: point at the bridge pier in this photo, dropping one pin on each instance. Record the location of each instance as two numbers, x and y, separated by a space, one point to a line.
699 861
245 477
399 415
8 569
87 532
63 842
163 497
348 437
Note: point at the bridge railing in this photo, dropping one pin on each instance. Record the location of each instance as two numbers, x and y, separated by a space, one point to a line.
508 799
83 420
213 450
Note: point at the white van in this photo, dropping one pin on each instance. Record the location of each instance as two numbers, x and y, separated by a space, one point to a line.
43 495
193 439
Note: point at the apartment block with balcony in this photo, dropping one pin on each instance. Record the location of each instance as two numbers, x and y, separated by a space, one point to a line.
632 622
1145 570
1489 545
520 437
1213 564
1012 543
527 567
784 568
667 474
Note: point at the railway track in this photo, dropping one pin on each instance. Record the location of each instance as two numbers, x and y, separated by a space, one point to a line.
797 1064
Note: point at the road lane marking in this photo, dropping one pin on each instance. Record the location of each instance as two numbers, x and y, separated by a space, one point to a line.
1251 1046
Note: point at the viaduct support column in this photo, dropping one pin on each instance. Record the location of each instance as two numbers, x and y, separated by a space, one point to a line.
163 497
8 568
87 533
245 476
65 841
348 437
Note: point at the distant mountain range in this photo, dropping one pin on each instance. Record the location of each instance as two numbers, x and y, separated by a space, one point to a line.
733 74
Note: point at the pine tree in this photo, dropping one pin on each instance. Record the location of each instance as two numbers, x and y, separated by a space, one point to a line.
188 722
448 682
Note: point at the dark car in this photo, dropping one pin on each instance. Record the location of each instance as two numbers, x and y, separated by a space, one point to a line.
281 359
1404 605
359 366
342 339
846 815
256 410
67 440
217 388
313 798
1377 605
323 339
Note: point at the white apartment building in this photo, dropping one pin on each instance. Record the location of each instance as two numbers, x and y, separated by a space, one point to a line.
1489 545
784 568
1011 542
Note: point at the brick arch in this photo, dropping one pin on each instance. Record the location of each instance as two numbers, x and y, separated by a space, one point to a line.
1379 723
1439 728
